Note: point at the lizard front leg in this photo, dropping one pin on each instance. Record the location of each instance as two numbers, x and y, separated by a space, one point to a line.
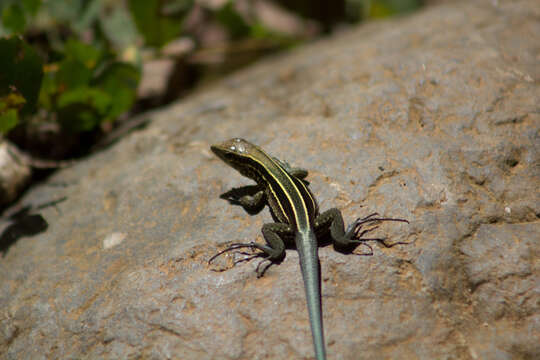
251 197
332 221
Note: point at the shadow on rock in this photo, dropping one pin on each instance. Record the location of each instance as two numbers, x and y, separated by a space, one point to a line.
24 224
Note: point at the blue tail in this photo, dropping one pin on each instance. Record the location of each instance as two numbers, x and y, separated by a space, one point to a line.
306 245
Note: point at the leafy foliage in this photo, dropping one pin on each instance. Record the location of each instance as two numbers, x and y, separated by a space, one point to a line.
87 87
20 81
82 67
232 20
159 21
83 84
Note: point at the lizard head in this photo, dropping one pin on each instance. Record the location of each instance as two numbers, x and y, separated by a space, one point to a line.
237 153
233 149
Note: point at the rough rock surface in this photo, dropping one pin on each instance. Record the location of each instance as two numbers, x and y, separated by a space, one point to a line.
14 173
433 117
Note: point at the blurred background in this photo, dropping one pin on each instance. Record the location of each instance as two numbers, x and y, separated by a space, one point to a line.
75 72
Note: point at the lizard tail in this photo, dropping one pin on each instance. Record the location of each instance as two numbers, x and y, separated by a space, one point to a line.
306 245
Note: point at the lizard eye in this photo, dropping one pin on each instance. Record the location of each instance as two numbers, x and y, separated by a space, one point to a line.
240 148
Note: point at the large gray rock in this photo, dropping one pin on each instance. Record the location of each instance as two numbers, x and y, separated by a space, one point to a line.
433 117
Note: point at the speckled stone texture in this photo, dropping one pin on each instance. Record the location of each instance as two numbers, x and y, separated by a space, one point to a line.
433 117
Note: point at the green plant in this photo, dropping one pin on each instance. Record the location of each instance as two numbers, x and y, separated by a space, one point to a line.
77 84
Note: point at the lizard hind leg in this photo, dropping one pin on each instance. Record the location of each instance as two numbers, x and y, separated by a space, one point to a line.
273 252
348 240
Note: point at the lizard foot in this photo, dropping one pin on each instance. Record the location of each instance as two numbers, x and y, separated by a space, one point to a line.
235 249
357 232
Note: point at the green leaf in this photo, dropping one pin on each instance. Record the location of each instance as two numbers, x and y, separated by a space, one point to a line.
64 10
380 9
90 13
156 21
402 6
96 98
9 111
12 101
78 117
120 81
119 28
72 74
77 15
83 108
31 6
233 21
48 91
260 31
385 8
8 120
21 71
13 18
84 53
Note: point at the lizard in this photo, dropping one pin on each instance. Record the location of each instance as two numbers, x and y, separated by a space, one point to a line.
297 220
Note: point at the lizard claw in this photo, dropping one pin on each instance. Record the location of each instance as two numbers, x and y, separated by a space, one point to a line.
234 249
357 225
370 253
258 269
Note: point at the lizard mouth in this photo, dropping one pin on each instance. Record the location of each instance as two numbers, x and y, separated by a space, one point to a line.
220 151
224 154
